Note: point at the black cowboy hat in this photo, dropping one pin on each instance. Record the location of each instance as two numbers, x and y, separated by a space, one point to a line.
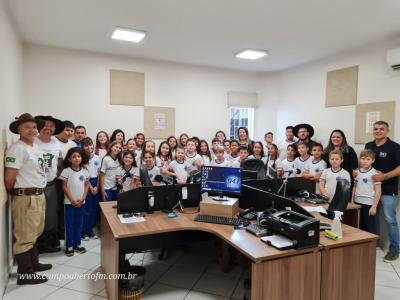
22 119
303 125
59 124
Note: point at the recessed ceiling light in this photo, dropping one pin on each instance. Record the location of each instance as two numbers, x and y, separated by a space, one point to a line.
128 35
251 54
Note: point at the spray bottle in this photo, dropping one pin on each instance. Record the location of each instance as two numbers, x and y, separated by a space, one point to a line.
337 225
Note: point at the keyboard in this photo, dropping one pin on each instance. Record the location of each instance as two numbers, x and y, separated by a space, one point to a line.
218 220
258 230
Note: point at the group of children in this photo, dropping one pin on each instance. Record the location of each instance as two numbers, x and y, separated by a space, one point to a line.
98 171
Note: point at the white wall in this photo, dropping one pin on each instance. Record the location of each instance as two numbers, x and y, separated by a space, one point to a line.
301 91
10 99
74 85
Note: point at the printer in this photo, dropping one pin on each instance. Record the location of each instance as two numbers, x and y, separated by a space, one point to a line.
302 230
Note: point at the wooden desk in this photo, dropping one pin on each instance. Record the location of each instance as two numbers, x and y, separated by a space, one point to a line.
351 216
289 274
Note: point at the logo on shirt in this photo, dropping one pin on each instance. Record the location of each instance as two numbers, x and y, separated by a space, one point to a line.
382 154
365 180
10 159
81 178
48 160
338 178
96 163
151 176
317 170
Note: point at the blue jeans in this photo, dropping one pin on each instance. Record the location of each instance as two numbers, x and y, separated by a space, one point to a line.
389 205
91 208
111 195
73 225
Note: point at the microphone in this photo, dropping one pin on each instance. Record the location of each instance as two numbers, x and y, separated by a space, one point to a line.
145 179
166 180
295 171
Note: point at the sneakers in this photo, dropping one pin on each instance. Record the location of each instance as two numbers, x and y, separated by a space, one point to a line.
69 252
390 257
85 237
93 236
80 249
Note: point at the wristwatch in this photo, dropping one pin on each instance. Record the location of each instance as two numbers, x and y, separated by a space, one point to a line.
385 176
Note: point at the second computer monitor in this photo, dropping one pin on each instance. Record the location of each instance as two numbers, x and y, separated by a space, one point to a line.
221 181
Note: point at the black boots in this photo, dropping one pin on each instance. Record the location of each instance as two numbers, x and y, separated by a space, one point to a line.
37 266
26 274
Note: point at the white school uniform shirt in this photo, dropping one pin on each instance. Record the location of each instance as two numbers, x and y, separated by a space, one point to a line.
287 166
300 164
93 166
110 167
282 146
160 163
29 162
272 165
153 172
205 160
224 163
365 187
233 159
180 169
75 182
102 154
315 168
138 154
331 179
65 146
190 162
127 177
51 154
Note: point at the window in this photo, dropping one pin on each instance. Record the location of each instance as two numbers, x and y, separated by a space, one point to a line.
241 117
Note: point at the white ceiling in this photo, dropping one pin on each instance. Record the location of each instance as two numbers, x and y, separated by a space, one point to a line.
209 32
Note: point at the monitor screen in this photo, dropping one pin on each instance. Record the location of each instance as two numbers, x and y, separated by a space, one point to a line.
221 180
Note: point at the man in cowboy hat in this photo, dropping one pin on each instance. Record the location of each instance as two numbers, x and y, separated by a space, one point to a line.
304 132
25 178
51 149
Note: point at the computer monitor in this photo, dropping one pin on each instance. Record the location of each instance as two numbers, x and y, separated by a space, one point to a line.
221 181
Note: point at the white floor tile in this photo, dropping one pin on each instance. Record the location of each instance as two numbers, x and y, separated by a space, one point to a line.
154 271
217 285
98 298
180 277
235 271
88 260
194 295
86 285
239 290
31 292
55 257
383 266
386 293
387 278
66 294
66 275
102 293
165 292
96 249
91 243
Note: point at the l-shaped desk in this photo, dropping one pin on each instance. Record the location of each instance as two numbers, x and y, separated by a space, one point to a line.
343 269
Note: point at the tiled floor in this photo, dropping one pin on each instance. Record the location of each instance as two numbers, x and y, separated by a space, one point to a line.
191 276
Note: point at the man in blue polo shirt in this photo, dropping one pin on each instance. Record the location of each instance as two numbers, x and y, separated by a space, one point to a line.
387 162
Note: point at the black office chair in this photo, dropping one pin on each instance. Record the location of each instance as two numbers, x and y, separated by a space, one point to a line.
254 164
340 199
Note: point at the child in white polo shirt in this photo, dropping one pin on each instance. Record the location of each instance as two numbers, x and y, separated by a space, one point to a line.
366 192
